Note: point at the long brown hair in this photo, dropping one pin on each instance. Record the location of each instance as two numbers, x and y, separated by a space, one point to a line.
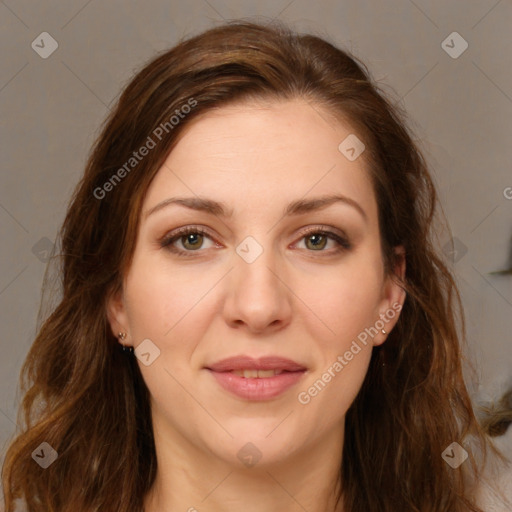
88 401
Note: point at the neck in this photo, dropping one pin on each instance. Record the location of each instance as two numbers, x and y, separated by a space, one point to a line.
192 480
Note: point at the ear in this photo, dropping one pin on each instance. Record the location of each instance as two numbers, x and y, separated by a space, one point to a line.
393 298
116 313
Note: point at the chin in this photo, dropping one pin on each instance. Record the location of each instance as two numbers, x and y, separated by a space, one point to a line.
256 443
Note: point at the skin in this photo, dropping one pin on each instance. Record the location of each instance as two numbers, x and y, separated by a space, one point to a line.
295 300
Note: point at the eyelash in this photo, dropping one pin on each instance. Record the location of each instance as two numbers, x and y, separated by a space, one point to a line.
168 241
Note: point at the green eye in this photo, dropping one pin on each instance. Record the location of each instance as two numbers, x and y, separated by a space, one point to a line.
192 239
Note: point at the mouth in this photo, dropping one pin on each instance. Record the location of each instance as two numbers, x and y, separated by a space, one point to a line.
246 363
257 374
257 379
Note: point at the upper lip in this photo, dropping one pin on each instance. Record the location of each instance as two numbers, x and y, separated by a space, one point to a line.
243 362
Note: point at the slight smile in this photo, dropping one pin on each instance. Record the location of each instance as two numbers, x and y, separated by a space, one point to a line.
257 379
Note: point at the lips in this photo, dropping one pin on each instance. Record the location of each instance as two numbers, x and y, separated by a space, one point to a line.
256 379
239 363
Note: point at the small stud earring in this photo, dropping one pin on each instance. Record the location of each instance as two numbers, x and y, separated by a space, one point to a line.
383 331
125 348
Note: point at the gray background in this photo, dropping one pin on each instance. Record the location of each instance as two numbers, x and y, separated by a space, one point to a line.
460 109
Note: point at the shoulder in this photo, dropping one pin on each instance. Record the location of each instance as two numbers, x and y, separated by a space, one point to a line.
494 491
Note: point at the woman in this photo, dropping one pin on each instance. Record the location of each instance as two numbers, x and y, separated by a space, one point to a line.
254 314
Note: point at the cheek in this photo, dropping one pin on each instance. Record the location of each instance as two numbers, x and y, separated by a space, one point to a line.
159 306
173 310
330 392
346 302
159 299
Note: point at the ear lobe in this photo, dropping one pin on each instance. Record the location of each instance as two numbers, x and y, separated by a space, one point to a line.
116 312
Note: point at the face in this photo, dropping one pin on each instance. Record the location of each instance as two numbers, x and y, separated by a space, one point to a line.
276 281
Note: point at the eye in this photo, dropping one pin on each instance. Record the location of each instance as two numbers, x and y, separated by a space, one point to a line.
317 238
192 239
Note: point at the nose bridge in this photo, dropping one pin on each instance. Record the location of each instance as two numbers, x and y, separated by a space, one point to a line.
257 297
256 263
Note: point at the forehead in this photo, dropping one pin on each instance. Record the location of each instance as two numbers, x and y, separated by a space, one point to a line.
254 155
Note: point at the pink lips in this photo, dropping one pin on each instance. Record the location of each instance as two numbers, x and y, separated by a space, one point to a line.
257 388
263 363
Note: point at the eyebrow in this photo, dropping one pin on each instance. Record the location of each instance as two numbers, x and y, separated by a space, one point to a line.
297 207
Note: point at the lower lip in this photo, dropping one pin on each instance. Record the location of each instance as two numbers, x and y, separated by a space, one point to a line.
257 388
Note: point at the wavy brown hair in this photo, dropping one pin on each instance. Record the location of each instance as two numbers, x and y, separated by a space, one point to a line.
89 401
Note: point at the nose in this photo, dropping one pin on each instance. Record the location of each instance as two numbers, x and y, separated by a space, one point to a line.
258 299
